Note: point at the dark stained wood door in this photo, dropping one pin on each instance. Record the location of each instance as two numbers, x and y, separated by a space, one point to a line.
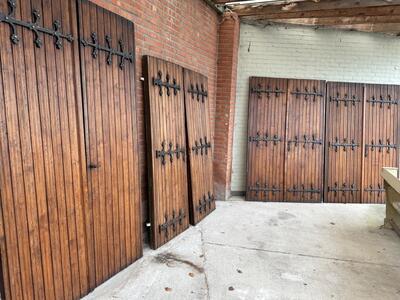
167 157
380 138
200 146
113 213
266 139
305 141
42 153
344 142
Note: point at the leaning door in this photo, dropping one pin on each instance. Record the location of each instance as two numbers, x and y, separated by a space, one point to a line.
42 161
201 198
305 141
108 72
344 142
266 139
166 141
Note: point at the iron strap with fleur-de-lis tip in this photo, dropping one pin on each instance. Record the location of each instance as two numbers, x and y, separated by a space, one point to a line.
204 202
314 93
378 189
382 101
33 26
303 190
194 90
163 153
275 139
166 84
346 99
172 221
263 189
343 189
337 144
268 91
380 145
202 145
94 43
306 140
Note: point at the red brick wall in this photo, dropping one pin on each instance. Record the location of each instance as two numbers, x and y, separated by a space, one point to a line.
225 103
181 31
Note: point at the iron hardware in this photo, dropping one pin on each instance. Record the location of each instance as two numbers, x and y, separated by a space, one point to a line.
265 138
380 145
259 90
108 49
343 189
381 101
163 153
303 190
308 93
172 222
306 140
203 146
93 166
346 99
345 144
204 202
371 189
33 26
265 189
160 83
199 92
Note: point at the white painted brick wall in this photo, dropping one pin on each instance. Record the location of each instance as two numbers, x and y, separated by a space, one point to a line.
300 52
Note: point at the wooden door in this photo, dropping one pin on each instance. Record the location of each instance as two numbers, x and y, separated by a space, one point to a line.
200 146
266 139
166 141
305 141
42 156
380 138
108 72
344 142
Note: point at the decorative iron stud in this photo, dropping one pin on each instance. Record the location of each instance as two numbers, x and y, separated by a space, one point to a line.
198 92
314 93
163 153
382 101
172 221
265 138
202 145
94 43
343 189
345 144
268 91
34 26
378 189
166 84
380 146
305 140
346 99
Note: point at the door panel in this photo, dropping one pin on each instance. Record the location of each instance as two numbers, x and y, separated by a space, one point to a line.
200 146
266 139
113 213
305 141
344 142
380 138
166 140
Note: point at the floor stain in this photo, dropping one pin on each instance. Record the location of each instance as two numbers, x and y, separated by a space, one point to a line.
169 258
285 216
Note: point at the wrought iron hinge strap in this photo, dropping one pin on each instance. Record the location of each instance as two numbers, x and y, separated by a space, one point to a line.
265 138
34 26
203 145
198 92
108 49
344 189
172 221
314 94
204 202
303 190
378 189
259 90
380 145
345 144
163 153
263 189
305 140
346 99
166 84
382 101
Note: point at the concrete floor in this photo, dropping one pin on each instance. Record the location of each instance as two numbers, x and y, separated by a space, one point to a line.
248 250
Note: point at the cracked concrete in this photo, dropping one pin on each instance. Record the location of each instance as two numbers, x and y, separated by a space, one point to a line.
247 250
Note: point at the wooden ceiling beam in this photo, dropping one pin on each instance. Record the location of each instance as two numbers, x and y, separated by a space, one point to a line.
341 21
314 6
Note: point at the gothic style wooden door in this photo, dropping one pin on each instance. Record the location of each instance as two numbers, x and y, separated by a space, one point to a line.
201 195
42 157
108 72
266 139
344 139
166 140
305 141
380 138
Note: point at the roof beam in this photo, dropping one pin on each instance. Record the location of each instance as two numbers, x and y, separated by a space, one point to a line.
341 21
